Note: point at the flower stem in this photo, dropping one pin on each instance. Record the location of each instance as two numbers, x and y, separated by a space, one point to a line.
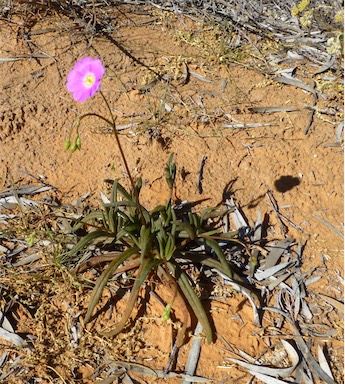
113 126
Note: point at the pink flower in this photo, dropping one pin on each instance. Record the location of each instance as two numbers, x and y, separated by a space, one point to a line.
85 78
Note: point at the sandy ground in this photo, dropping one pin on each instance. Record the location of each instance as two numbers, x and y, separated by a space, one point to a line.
186 116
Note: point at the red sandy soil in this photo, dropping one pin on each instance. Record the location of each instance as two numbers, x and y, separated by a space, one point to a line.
36 114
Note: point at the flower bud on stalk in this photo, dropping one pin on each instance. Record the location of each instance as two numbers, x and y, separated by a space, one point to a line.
67 144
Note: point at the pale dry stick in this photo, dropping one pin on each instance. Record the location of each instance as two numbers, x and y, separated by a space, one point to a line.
312 113
42 31
329 111
27 56
257 237
295 83
273 109
329 225
8 59
200 77
279 214
275 208
194 353
200 174
249 125
39 179
291 223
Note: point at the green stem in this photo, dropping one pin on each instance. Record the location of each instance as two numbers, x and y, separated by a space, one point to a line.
113 126
96 115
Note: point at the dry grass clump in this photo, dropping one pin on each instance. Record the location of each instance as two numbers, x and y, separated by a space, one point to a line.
45 303
264 37
304 26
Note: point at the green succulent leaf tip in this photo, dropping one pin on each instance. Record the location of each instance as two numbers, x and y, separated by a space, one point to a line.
167 312
170 171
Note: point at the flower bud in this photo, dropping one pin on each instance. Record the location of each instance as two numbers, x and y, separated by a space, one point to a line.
165 316
78 142
67 144
166 313
73 147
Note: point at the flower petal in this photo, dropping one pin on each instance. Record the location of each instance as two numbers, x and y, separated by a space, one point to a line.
97 68
74 83
81 95
76 78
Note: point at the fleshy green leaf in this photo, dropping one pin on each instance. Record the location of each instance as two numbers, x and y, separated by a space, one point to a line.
87 240
192 298
218 251
103 279
85 220
145 268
